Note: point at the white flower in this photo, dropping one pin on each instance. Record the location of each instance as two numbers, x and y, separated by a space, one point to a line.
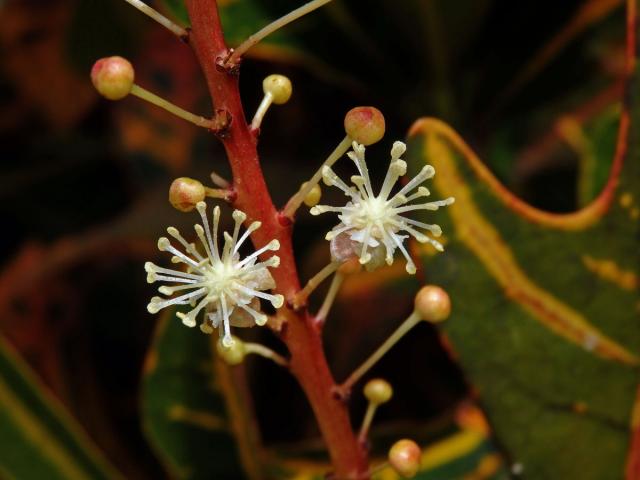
222 284
371 224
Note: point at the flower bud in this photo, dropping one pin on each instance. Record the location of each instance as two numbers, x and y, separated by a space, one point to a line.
378 391
233 354
279 87
313 197
112 77
404 457
433 304
364 125
185 193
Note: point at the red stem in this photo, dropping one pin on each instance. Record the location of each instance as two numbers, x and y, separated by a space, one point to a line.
308 361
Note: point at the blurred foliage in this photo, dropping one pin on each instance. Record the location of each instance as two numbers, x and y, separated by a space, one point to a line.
533 86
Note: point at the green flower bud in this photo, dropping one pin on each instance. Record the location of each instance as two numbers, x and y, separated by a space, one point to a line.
279 87
314 195
234 354
378 391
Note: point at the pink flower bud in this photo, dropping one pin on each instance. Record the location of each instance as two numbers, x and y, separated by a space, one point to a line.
112 77
404 458
433 304
185 193
365 125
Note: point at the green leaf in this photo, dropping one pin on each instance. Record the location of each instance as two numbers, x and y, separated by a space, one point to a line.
240 18
456 453
194 415
39 438
545 305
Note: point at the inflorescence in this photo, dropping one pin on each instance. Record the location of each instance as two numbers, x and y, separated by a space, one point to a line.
227 287
369 223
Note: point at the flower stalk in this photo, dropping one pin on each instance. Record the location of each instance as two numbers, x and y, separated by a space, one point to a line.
301 297
174 28
411 321
257 37
150 97
296 200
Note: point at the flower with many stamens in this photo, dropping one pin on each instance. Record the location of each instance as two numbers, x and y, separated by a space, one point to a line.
227 287
370 224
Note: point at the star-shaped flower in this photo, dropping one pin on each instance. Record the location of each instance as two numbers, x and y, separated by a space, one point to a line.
370 224
227 287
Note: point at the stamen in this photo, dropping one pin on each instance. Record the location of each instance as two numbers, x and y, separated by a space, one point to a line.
189 247
397 150
202 210
227 341
426 173
152 268
410 266
357 156
252 228
203 240
216 223
397 168
276 300
364 256
272 245
330 178
156 304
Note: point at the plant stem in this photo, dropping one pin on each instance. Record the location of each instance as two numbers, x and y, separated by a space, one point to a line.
272 27
266 353
307 362
411 321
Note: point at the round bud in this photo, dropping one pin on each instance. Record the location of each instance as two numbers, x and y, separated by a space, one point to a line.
364 125
279 87
233 354
313 197
112 77
378 391
433 304
185 193
404 457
